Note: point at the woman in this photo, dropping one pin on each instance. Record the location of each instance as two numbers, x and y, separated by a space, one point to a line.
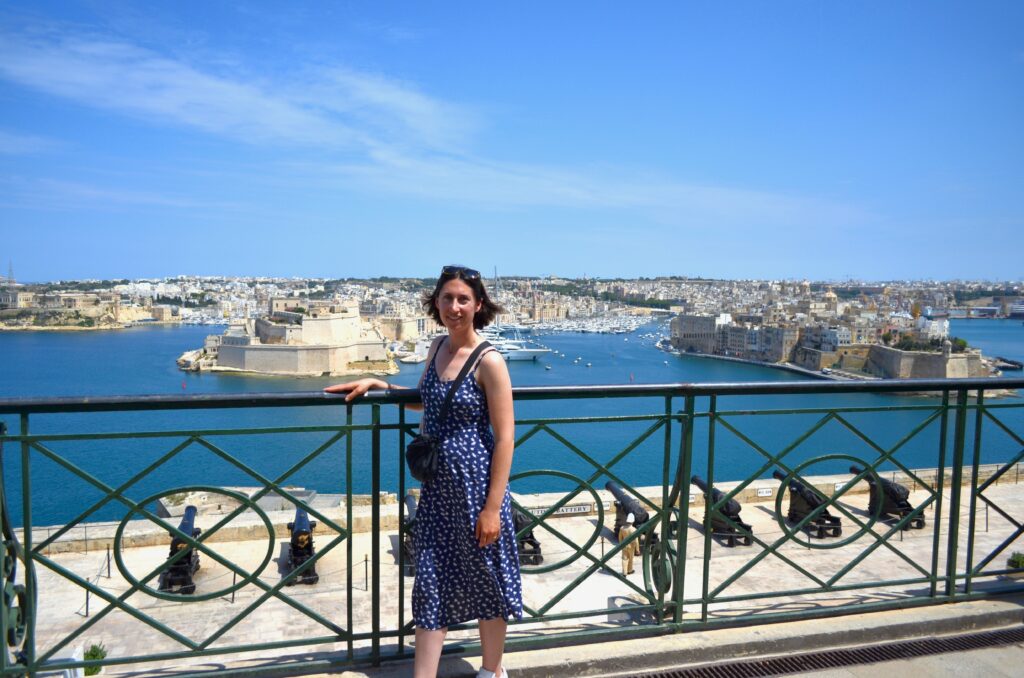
467 565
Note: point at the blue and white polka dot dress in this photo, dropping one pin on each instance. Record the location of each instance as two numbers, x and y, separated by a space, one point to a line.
456 580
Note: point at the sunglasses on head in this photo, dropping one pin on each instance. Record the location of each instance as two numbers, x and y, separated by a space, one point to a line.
461 271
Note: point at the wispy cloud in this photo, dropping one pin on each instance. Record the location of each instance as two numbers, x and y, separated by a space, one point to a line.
127 79
367 131
389 32
12 143
50 194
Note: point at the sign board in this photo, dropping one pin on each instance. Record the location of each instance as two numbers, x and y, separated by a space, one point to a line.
764 491
565 510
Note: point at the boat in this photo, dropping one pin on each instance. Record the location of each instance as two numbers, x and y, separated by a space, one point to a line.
1008 364
412 359
513 350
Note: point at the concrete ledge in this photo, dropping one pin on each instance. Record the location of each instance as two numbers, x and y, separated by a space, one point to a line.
628 657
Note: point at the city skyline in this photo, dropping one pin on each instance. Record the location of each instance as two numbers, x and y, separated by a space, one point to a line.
747 142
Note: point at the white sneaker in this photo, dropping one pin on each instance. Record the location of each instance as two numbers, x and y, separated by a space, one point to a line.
484 673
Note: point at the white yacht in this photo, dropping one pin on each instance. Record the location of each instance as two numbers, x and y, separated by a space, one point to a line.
515 350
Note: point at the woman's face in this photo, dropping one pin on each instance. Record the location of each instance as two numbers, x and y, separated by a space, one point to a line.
457 305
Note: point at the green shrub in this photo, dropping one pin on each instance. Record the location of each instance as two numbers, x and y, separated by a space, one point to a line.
1016 561
94 652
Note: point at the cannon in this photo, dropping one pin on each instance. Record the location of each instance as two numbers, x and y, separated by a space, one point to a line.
527 544
178 574
802 501
302 549
408 547
892 497
624 505
724 521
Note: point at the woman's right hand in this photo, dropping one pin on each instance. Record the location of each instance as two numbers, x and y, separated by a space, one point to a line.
356 388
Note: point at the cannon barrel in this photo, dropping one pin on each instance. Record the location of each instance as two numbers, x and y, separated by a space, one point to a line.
807 494
804 500
725 522
892 498
301 524
629 504
188 526
731 508
302 548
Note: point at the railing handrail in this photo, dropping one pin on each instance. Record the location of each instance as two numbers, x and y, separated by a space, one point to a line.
206 401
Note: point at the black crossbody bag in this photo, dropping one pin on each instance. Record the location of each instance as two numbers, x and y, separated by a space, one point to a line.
423 451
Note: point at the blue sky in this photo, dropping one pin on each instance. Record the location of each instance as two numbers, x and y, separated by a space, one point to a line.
876 140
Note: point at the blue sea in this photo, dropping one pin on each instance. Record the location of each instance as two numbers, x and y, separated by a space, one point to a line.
140 361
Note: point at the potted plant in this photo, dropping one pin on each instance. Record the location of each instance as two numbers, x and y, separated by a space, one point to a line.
1016 562
95 651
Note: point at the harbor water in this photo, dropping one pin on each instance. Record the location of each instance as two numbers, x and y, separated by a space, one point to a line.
140 361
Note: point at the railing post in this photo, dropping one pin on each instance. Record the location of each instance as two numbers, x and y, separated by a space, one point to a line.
972 524
708 503
401 528
666 507
375 538
939 487
959 434
4 555
685 466
350 650
29 646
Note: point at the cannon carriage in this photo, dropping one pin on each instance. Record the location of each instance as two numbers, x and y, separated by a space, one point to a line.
179 574
725 521
890 500
804 500
301 548
527 544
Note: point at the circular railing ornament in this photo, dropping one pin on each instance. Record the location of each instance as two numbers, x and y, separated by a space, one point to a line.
194 597
793 534
597 529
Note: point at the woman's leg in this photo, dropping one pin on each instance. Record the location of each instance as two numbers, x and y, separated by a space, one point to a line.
428 652
492 643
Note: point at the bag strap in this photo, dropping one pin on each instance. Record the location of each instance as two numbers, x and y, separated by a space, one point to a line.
470 361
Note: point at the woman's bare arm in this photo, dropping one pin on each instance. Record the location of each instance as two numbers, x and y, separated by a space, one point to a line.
494 378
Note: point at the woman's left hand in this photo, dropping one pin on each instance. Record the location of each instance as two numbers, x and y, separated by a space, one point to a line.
487 527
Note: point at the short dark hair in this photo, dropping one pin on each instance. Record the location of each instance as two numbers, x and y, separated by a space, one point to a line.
488 309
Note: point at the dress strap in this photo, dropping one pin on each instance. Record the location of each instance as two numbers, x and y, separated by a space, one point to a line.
480 357
437 350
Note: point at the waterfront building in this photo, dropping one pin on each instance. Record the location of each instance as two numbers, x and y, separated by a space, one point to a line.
14 298
406 328
778 342
695 333
325 339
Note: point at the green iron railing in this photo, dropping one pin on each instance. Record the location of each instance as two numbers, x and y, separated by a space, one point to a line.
957 559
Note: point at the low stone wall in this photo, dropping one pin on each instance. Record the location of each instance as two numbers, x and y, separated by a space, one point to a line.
248 526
